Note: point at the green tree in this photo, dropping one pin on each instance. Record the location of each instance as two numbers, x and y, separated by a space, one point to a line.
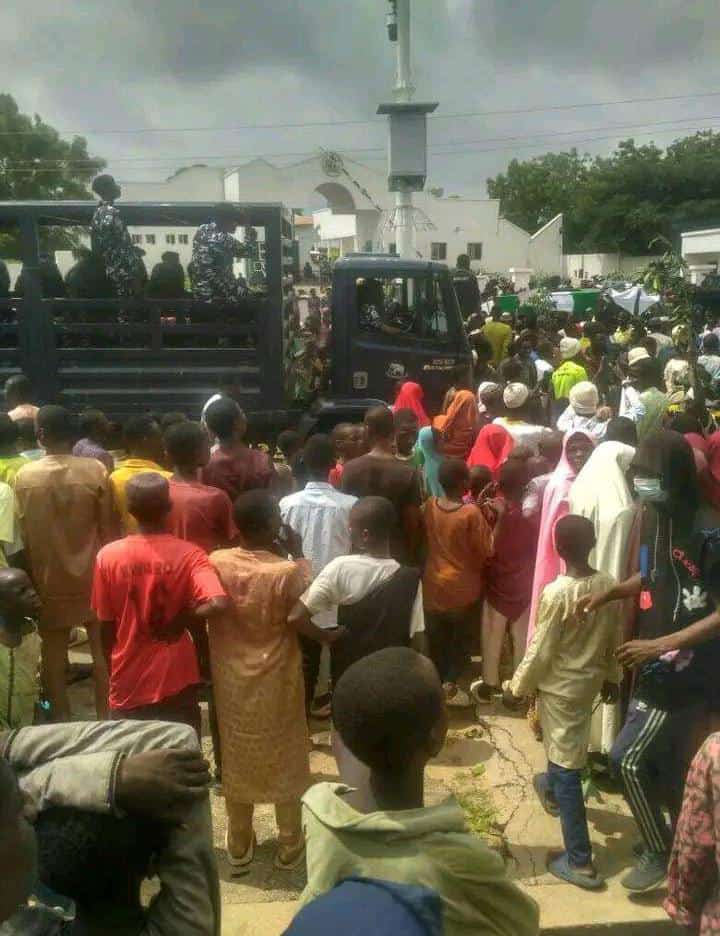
616 203
36 163
531 193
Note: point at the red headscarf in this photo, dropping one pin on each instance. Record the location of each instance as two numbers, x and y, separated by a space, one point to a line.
462 422
711 486
492 447
410 396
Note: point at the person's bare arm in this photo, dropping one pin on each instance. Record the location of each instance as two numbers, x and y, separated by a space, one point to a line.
109 523
301 619
636 652
190 618
627 589
411 519
413 530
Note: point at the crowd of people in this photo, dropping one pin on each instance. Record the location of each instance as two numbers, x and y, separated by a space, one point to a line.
547 542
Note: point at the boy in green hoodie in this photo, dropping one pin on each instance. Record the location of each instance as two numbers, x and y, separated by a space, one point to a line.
389 719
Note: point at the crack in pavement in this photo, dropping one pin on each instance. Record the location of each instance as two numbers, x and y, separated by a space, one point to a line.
520 779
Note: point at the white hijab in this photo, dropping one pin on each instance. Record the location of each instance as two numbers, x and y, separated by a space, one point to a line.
601 493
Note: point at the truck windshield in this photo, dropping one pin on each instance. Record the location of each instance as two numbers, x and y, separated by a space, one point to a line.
413 306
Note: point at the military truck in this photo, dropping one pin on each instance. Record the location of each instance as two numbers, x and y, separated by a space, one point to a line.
390 318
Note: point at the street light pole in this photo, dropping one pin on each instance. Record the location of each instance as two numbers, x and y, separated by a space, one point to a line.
404 226
407 150
403 81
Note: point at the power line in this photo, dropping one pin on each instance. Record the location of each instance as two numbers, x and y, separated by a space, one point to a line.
502 149
562 107
30 164
466 147
347 123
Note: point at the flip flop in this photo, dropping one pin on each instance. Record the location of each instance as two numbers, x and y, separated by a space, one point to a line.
245 859
560 868
295 862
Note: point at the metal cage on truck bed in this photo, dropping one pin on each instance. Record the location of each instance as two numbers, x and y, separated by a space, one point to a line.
134 355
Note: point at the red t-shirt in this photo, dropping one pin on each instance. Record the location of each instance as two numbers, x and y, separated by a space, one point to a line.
141 584
201 515
237 472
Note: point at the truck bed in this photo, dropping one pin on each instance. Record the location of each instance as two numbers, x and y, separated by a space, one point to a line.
162 355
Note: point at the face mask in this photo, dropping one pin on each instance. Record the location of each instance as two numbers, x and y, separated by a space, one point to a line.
650 489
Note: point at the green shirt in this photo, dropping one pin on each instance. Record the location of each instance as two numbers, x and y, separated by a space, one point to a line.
9 467
565 377
19 683
656 404
429 846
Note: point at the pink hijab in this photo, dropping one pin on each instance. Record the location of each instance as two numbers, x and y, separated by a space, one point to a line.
548 565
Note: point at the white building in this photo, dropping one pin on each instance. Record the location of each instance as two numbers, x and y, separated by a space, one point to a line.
357 215
701 250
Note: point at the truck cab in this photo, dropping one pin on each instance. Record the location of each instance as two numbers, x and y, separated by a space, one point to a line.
394 319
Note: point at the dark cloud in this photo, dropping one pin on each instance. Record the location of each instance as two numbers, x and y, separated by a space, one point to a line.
94 65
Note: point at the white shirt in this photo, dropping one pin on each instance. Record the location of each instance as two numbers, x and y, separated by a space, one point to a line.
320 514
676 374
524 433
542 368
347 580
533 495
711 363
570 421
631 406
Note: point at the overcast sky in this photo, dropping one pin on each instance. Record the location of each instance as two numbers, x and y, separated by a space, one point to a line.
92 66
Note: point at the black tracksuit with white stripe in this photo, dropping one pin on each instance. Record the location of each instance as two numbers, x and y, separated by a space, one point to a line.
670 694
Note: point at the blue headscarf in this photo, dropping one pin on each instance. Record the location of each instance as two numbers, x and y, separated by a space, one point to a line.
431 459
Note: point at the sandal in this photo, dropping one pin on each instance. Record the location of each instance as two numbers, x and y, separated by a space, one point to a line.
245 859
289 857
560 867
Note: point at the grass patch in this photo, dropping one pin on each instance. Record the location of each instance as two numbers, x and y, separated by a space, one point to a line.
470 791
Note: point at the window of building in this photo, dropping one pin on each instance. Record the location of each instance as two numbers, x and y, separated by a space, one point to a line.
169 238
137 238
474 250
438 251
393 249
368 246
183 239
149 238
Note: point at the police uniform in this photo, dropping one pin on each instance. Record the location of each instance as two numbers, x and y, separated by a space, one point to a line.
213 254
111 241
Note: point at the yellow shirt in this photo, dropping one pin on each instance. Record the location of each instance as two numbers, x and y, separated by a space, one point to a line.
120 477
568 660
9 467
499 334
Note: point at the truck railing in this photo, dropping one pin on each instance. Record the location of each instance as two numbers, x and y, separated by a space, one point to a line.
172 350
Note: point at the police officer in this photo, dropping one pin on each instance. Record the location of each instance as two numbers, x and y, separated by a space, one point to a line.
214 251
111 240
